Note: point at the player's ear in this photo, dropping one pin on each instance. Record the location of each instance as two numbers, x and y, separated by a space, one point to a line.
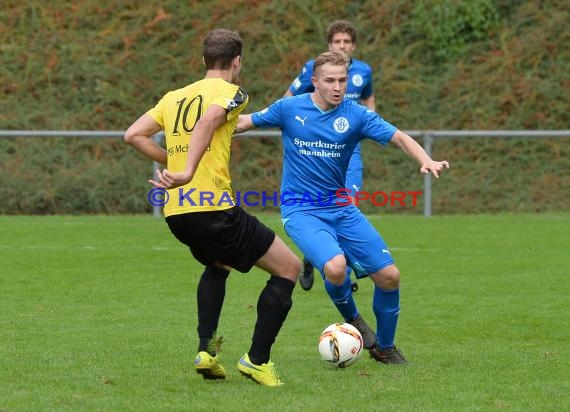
236 62
315 82
203 61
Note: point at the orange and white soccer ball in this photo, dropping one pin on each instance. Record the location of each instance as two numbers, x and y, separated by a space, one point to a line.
340 344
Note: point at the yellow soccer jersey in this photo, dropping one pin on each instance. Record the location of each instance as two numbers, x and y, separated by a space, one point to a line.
177 112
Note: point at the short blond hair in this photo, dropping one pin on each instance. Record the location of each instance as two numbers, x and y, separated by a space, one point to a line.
335 58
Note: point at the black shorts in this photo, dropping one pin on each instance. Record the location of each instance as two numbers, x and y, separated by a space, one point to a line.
231 237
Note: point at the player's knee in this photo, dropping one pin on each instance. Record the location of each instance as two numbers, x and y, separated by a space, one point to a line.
391 277
280 261
290 268
295 266
335 270
387 278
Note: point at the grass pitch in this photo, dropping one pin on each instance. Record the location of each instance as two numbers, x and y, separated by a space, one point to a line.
98 313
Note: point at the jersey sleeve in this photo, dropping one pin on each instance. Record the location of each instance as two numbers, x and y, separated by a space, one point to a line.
376 128
270 116
367 91
302 83
368 88
233 100
157 112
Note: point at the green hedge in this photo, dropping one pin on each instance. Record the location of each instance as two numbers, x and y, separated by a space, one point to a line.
97 65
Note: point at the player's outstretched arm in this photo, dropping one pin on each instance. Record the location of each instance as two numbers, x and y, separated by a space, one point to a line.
244 123
415 151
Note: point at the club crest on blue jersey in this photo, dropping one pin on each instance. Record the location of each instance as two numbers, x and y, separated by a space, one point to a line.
357 80
341 125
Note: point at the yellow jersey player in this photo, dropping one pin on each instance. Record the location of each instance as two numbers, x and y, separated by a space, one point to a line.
199 121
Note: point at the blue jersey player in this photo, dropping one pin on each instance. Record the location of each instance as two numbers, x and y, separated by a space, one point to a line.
341 36
320 131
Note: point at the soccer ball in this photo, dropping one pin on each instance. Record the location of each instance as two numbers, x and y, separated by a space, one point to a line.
340 344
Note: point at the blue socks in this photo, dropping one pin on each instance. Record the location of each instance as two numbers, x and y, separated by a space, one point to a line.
341 296
386 306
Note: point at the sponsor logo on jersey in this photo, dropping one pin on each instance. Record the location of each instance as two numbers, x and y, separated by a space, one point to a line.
352 96
179 148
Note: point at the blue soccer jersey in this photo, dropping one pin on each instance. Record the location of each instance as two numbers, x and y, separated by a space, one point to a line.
358 87
317 147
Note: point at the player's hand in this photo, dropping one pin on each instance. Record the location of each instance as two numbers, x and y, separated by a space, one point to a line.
433 167
169 180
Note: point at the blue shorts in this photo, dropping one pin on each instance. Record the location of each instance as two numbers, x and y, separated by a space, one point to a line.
325 233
